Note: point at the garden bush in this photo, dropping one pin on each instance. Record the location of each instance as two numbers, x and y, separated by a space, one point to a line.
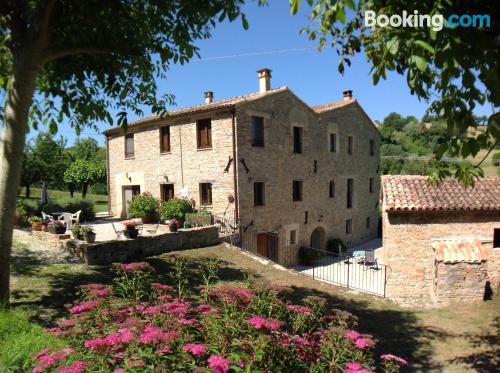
175 208
334 244
140 325
143 205
199 218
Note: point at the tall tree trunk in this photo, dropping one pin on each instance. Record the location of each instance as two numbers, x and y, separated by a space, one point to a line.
71 190
27 191
85 188
19 97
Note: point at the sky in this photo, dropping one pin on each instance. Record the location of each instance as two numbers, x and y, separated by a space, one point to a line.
230 58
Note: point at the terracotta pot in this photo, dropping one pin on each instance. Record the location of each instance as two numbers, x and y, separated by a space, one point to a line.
131 233
45 228
36 226
149 219
90 237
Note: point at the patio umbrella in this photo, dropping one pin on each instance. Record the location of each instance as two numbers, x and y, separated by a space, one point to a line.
44 199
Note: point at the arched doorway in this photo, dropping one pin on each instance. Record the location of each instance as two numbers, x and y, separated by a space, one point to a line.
318 238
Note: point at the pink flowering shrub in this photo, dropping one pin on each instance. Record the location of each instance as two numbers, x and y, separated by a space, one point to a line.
145 326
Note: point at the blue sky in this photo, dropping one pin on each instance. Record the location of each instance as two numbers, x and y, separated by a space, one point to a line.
312 75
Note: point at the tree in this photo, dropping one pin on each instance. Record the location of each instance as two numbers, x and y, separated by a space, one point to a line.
84 58
31 172
85 173
88 149
455 69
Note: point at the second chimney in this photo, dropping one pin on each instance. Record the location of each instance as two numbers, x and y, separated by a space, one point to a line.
209 97
347 95
264 76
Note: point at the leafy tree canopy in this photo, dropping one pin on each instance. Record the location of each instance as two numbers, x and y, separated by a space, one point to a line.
85 173
454 69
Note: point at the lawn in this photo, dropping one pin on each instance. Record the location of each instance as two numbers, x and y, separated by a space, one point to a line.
62 197
453 339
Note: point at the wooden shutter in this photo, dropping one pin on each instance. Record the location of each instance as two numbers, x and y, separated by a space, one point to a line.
165 139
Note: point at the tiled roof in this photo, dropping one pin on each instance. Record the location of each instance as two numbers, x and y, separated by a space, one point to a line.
457 251
216 105
332 105
415 193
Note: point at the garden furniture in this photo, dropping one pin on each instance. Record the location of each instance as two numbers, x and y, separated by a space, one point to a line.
46 217
66 217
76 216
118 232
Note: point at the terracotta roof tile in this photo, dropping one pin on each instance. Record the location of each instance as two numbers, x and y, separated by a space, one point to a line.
459 251
332 105
415 193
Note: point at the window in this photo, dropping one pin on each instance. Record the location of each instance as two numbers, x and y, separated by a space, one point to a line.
206 193
350 191
297 140
372 147
371 185
367 223
297 190
333 143
167 192
164 139
348 226
331 191
204 133
496 237
257 131
129 145
293 237
350 143
258 194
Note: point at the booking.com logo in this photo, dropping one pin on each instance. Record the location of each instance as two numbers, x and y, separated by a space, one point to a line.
436 21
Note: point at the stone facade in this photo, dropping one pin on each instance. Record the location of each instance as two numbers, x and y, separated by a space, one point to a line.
50 240
408 252
143 246
275 164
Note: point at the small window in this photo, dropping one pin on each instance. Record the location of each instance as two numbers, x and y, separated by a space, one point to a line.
371 185
333 143
204 133
368 223
165 139
258 194
348 226
257 131
129 145
350 144
297 139
206 193
331 191
167 192
293 237
372 147
496 237
350 192
297 190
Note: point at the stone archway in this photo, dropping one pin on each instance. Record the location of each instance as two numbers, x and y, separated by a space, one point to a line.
318 238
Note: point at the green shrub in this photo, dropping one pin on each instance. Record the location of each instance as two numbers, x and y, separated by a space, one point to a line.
496 159
20 339
334 244
143 205
175 209
199 218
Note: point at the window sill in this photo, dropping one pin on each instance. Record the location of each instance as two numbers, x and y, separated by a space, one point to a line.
127 158
257 206
165 153
203 149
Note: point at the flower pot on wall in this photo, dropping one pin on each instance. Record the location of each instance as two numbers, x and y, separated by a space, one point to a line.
173 227
36 226
57 229
149 219
131 233
90 237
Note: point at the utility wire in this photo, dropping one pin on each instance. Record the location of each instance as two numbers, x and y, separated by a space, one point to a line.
253 54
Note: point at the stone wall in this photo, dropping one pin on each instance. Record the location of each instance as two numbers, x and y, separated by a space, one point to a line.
50 240
460 282
143 246
277 166
408 252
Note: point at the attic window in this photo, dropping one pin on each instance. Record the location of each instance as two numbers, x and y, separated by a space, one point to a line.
204 133
257 131
297 140
129 145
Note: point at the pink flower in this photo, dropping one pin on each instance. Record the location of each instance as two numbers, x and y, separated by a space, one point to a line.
195 349
158 286
306 311
165 297
394 358
49 360
119 370
163 350
260 322
204 307
257 321
100 292
84 307
354 366
154 335
186 321
139 266
218 364
96 343
40 354
77 367
352 335
362 343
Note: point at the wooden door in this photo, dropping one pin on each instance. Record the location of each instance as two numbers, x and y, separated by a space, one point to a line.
129 192
267 245
262 244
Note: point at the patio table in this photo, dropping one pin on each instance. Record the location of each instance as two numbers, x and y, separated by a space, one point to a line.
56 215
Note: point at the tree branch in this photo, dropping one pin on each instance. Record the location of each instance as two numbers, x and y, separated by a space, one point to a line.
51 54
488 153
45 20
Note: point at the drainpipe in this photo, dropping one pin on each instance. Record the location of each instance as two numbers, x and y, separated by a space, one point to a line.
235 162
182 164
108 189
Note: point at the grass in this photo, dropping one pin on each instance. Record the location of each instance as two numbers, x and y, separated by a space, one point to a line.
460 338
62 197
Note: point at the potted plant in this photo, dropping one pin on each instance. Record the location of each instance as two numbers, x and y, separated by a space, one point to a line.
76 230
176 209
56 227
130 229
145 207
173 225
36 223
88 233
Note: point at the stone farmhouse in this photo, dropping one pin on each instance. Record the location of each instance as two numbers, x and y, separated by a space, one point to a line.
287 172
441 242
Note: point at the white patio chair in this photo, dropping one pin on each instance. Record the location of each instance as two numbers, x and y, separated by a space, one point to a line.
118 232
76 216
154 230
47 217
67 219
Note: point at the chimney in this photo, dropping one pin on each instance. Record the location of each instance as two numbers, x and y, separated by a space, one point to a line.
347 95
264 76
209 97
